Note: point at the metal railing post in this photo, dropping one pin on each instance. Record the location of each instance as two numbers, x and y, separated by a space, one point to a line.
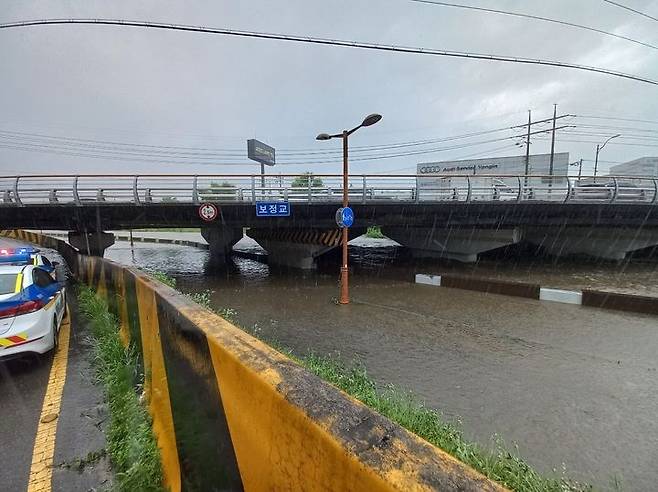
568 197
253 189
417 192
16 196
76 195
615 192
364 197
195 191
469 189
135 192
310 190
655 191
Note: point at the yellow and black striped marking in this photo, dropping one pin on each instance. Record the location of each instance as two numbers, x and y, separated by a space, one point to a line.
329 237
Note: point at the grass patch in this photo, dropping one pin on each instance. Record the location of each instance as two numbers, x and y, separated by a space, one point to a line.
131 444
375 232
499 464
402 407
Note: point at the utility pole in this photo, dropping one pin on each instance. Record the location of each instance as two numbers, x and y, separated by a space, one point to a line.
527 153
550 168
527 147
580 169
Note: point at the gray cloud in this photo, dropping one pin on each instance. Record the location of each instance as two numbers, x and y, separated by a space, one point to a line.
178 89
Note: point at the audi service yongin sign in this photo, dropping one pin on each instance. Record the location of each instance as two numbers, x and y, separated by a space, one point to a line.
440 175
260 152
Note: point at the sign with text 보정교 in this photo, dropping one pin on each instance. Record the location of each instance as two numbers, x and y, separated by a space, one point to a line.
272 209
345 217
260 152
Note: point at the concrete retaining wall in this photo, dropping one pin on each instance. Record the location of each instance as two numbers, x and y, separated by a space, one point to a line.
622 302
588 297
517 289
229 412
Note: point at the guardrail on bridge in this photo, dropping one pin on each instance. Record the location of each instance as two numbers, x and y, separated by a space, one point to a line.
182 189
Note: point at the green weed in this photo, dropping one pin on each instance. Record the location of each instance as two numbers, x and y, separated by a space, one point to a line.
375 232
130 441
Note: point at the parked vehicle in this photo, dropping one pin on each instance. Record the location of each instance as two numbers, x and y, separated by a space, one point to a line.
32 307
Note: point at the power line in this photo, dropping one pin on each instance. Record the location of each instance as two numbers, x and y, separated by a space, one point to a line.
537 17
598 142
330 42
632 10
633 120
215 152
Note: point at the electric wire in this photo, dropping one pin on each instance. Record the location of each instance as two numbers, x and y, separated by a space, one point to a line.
330 42
537 17
631 9
238 152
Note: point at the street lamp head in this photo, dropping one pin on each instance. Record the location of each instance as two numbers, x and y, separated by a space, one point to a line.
371 119
323 136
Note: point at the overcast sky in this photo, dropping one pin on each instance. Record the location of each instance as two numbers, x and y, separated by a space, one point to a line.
176 89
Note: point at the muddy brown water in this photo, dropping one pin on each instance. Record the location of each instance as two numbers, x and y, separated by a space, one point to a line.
574 388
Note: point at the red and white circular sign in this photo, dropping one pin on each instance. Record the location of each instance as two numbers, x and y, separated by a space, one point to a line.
208 212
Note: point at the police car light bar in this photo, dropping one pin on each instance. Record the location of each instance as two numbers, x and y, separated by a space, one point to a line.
16 254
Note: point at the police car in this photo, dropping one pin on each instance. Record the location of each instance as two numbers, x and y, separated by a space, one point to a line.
32 304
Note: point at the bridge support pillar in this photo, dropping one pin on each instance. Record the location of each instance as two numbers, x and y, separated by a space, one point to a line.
295 248
221 240
606 243
91 243
461 244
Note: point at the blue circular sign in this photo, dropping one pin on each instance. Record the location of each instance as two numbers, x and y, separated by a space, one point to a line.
345 217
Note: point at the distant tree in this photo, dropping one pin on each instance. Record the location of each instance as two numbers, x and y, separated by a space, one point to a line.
218 191
302 181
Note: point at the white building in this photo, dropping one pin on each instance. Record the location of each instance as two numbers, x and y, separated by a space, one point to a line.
644 166
489 177
515 165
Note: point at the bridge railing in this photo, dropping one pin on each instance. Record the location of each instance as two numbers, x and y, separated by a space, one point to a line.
162 189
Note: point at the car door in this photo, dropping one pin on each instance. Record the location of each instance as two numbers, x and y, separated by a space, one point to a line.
50 292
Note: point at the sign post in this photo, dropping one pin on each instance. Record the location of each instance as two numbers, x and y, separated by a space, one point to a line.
263 153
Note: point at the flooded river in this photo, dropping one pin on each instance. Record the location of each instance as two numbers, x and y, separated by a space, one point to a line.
573 387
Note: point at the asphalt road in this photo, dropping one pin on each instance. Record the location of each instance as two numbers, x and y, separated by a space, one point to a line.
23 384
22 388
80 423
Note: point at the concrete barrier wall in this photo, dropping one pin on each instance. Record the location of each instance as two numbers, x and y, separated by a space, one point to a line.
517 289
621 302
587 297
231 413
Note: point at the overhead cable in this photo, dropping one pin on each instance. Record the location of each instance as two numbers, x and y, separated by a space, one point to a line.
539 18
631 9
330 42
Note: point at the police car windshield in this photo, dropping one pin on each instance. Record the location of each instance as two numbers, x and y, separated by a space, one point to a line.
7 283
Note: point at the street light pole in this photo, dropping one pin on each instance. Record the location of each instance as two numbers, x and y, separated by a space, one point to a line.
344 271
369 120
596 160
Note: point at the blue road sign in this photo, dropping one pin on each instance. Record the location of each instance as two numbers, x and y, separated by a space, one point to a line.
272 209
345 217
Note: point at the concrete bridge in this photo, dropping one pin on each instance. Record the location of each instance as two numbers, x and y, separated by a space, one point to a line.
451 216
